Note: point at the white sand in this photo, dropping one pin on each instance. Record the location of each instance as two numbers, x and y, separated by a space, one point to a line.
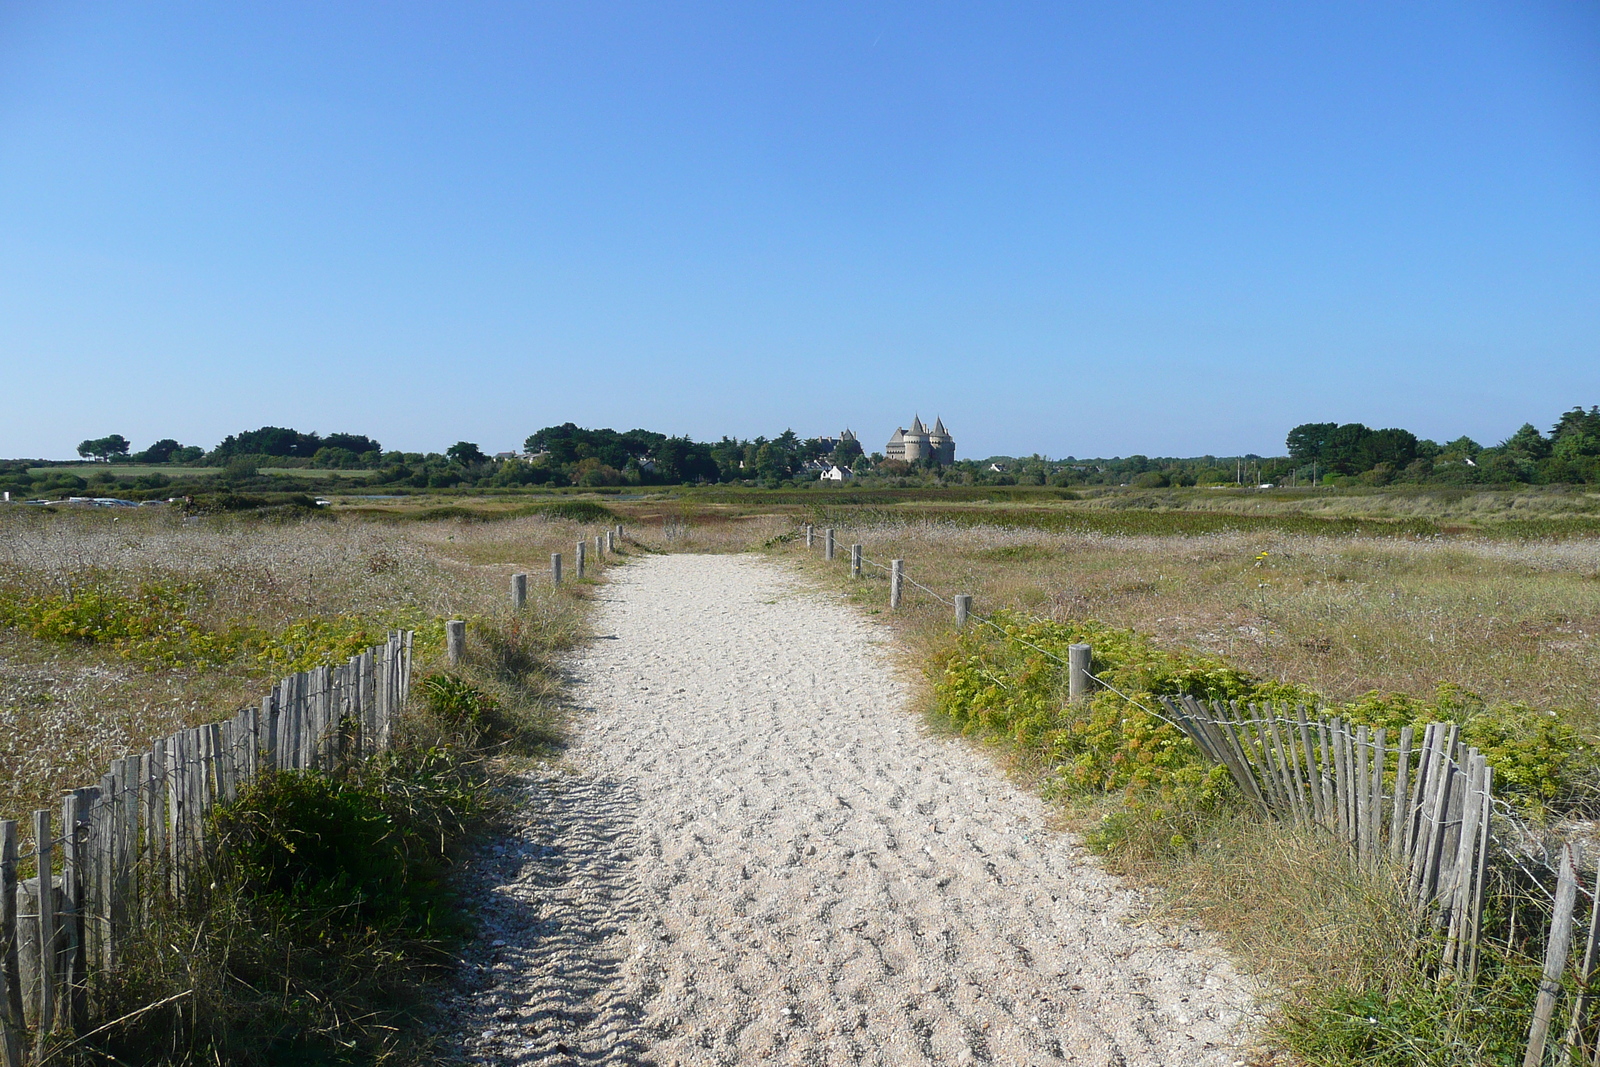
755 854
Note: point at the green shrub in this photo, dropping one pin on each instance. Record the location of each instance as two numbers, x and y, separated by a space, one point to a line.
151 624
1011 682
584 511
355 854
312 642
458 705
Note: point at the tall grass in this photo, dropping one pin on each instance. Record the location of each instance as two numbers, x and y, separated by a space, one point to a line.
1509 621
69 706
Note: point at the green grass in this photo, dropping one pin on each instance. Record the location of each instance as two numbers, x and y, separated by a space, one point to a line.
313 472
125 470
1132 522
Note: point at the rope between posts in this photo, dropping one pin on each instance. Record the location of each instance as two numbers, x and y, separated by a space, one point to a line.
950 603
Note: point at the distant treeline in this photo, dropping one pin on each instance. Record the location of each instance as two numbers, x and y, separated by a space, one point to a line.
1569 453
570 455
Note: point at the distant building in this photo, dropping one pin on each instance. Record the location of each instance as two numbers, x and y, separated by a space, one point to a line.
826 445
837 474
921 443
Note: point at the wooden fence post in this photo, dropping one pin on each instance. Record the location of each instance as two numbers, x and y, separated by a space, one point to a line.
619 531
555 568
11 1012
519 592
455 639
963 609
827 543
1079 657
897 578
855 561
810 534
577 560
599 547
611 542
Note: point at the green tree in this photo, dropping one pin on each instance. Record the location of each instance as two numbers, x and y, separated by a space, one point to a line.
160 452
104 448
1307 441
1527 443
465 453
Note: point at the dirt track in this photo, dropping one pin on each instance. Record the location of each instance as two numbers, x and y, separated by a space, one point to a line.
754 854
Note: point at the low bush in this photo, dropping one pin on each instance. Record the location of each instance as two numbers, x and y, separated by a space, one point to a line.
152 624
1010 680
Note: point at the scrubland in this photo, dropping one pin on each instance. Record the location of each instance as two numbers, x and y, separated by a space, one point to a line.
1506 620
119 628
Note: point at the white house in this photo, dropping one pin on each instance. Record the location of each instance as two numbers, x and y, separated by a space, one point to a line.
837 474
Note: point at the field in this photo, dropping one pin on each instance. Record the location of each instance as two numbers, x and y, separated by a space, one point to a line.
131 470
183 621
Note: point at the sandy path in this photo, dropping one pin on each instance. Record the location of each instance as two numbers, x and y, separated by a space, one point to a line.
755 855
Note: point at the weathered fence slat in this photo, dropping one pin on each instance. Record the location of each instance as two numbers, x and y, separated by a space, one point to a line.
45 918
13 1030
1557 948
1402 770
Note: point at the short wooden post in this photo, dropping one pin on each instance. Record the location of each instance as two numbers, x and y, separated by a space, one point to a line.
1079 658
577 560
455 641
599 547
519 592
619 531
855 561
963 609
555 568
611 542
827 543
810 534
897 581
47 925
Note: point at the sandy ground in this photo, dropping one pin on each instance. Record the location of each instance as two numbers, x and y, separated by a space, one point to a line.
754 853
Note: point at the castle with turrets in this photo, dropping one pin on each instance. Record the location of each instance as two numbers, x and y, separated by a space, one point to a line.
922 443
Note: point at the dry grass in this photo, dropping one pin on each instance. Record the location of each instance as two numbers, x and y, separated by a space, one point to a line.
1509 621
67 709
1443 504
670 526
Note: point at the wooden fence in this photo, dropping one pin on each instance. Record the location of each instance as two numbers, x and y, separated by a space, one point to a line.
1422 807
1428 811
136 839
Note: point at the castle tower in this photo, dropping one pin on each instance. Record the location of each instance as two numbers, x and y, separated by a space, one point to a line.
940 444
916 440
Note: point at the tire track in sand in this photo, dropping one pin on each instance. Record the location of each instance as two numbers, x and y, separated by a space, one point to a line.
754 855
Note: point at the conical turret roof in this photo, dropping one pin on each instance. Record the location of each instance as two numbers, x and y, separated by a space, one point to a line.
916 425
938 427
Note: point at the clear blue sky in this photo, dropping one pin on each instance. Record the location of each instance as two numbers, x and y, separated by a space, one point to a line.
1086 229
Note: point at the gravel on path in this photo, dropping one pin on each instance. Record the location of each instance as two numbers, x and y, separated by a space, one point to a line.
754 853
